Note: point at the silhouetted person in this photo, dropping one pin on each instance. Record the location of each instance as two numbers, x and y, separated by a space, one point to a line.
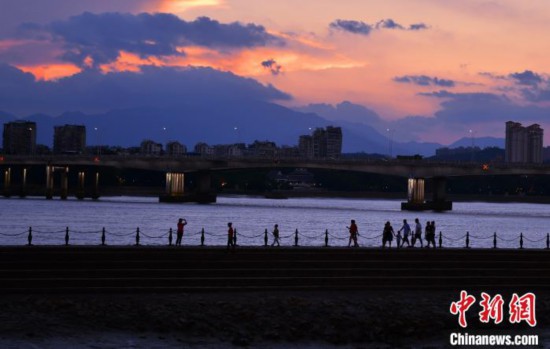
181 223
417 233
230 236
406 232
387 234
353 231
275 235
430 233
398 238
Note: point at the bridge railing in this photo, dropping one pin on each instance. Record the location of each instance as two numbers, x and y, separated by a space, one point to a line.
138 237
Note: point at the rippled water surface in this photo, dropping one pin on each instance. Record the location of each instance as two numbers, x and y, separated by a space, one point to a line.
121 216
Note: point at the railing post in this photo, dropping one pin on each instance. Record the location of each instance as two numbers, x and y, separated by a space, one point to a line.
326 238
66 236
495 240
296 238
170 237
521 240
265 238
202 237
440 240
547 240
29 238
103 236
137 236
467 239
235 237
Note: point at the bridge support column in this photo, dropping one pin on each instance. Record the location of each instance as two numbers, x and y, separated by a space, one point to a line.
64 183
416 195
175 183
23 189
81 191
49 182
439 195
175 189
7 182
95 192
415 188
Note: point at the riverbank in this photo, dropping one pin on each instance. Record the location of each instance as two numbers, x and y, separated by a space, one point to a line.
371 319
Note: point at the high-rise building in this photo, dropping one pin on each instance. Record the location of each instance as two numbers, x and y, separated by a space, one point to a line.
19 138
150 147
535 136
175 148
334 141
523 144
69 139
322 143
319 143
305 146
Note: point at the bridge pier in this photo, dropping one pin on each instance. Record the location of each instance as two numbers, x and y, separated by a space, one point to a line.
7 182
175 188
81 191
23 188
64 183
50 171
95 191
49 182
416 195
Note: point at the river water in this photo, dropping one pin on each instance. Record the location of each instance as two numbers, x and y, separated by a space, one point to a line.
121 216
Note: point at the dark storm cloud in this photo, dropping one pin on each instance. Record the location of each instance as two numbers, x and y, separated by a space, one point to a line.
526 77
359 27
355 27
533 86
424 80
154 87
272 66
15 12
483 107
103 36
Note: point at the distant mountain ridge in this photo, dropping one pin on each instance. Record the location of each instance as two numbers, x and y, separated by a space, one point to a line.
213 123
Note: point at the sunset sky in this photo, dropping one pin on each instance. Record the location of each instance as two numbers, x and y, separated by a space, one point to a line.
431 70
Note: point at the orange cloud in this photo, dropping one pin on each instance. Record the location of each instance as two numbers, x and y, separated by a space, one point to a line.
51 71
181 6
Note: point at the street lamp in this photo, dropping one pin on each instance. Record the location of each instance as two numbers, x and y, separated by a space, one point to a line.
237 134
390 141
165 139
31 146
96 129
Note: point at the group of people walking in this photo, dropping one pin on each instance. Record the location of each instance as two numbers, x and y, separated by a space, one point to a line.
416 235
388 234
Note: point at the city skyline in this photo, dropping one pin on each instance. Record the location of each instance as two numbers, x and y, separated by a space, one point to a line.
429 71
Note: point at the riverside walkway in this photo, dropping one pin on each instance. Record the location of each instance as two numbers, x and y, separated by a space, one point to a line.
215 269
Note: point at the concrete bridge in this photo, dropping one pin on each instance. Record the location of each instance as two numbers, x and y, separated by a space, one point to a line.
175 168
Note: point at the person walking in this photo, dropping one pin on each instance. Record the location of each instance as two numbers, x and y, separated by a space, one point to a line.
387 235
398 238
430 236
230 236
275 235
353 231
417 233
427 231
406 228
182 222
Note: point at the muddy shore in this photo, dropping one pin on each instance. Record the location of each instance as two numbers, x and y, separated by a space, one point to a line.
347 319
